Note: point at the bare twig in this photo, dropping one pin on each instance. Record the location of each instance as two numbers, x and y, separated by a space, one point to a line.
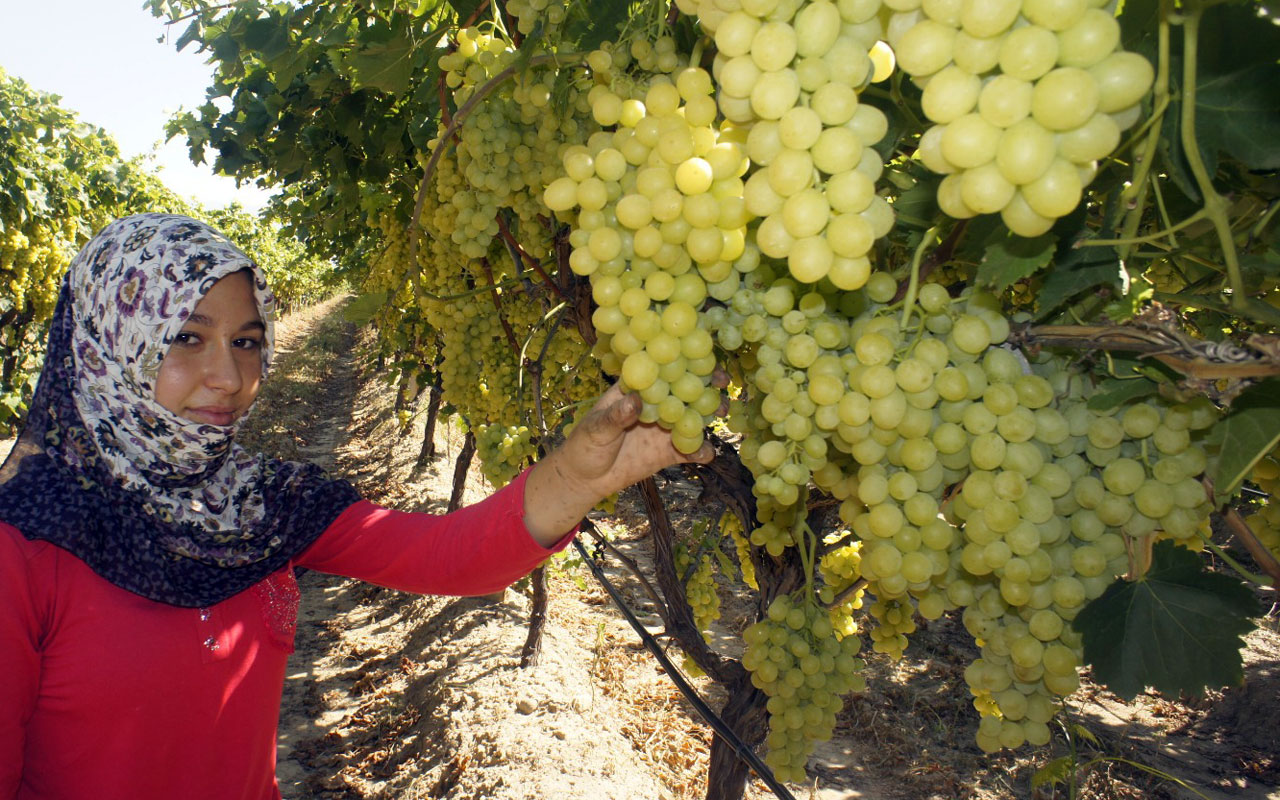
632 567
847 592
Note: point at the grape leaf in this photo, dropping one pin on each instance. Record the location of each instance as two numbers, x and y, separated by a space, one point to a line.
1076 269
384 63
1249 432
269 36
1008 258
1177 629
1113 392
1237 113
1056 771
591 23
1139 21
361 310
917 206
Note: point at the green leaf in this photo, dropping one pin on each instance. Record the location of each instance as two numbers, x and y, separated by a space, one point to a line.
592 22
897 128
268 36
465 9
1259 310
1113 392
1056 771
1238 113
1139 21
1077 269
386 66
1081 732
1177 629
362 309
1009 258
918 206
1249 431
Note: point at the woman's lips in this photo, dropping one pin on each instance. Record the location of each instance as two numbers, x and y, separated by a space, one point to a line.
213 415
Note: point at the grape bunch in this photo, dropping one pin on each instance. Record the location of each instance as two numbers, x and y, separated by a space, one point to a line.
33 255
34 252
1265 522
806 671
840 568
792 73
731 526
659 227
472 282
504 451
700 589
1026 97
1047 531
886 412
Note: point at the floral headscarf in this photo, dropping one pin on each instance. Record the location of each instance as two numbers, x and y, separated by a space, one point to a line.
165 507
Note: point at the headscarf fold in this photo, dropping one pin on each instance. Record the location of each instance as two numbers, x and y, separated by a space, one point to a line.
167 508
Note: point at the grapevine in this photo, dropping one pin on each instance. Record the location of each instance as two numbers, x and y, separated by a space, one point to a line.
937 246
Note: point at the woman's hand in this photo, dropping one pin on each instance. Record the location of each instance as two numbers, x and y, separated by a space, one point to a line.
608 450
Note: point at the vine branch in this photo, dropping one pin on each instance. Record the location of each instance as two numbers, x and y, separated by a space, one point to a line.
1261 555
524 256
1193 358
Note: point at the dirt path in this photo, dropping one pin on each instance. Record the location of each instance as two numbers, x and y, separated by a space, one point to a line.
394 696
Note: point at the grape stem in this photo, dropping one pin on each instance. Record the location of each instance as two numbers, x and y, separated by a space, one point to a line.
806 543
681 627
1191 357
497 305
1134 196
846 592
535 368
943 252
1215 205
659 604
1149 238
1264 220
909 302
899 102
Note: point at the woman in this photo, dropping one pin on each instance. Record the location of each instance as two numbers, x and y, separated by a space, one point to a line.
147 597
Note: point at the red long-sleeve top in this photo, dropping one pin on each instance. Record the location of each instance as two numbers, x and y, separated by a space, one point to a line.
108 695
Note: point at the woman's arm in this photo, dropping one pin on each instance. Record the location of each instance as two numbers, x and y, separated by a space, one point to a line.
487 546
476 550
608 451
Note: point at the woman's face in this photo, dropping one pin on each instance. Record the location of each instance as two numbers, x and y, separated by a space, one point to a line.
213 369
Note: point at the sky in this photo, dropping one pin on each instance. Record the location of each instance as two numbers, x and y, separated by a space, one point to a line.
102 58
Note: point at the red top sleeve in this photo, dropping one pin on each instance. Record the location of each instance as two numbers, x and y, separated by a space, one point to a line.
476 550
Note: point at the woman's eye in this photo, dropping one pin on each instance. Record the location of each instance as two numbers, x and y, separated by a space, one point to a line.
248 344
186 339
